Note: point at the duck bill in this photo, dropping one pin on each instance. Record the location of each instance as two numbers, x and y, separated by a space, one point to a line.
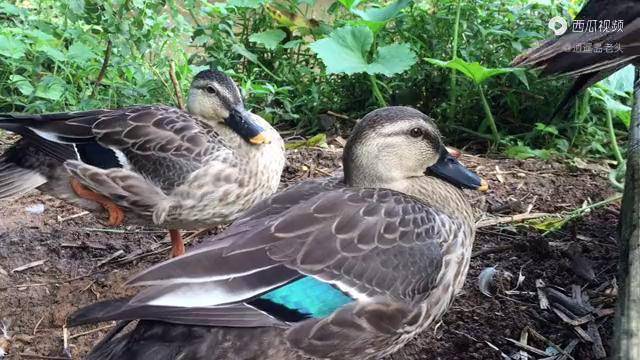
243 124
449 169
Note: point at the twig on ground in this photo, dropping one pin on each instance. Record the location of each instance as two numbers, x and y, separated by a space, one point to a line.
512 219
74 336
110 258
29 266
63 219
35 328
187 240
526 347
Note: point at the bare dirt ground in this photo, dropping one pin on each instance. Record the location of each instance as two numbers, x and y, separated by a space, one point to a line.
73 261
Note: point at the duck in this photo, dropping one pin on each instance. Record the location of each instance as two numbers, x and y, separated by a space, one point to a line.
569 53
344 267
150 164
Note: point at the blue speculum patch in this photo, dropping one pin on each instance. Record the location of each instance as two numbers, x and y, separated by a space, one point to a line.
310 296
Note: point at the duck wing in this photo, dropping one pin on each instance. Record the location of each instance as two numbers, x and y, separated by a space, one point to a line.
366 242
161 143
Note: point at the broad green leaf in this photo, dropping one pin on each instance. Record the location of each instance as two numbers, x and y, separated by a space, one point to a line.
307 2
50 87
293 43
240 49
270 38
80 53
76 6
392 59
9 9
343 51
621 80
52 52
39 36
22 84
474 70
373 25
11 47
382 14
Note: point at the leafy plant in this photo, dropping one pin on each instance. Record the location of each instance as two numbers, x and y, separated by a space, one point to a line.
479 74
345 51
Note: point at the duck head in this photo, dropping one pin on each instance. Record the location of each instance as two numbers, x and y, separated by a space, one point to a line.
216 98
392 144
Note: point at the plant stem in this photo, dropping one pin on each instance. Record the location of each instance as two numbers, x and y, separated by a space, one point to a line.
614 141
376 91
490 119
453 94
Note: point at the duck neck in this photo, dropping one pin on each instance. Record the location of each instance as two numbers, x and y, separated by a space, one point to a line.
440 195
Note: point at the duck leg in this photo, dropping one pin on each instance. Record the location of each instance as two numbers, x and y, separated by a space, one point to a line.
116 214
177 245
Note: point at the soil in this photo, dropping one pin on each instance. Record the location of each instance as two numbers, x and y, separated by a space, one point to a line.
82 261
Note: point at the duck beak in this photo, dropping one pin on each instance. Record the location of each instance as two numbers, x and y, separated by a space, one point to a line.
449 169
242 122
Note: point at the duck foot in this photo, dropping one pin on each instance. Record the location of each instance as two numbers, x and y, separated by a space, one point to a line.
177 245
116 214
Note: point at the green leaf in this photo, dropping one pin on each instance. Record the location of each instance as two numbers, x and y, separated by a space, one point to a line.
549 129
11 47
293 43
270 38
80 53
240 49
382 14
523 152
474 70
22 83
319 140
345 49
373 25
51 87
76 6
9 9
52 52
621 80
253 4
392 59
349 3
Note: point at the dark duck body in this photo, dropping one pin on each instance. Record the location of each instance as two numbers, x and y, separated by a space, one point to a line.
559 55
335 268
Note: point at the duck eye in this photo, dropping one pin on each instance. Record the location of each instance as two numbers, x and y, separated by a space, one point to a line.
416 132
210 89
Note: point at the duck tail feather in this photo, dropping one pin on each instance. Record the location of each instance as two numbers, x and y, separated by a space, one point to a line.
15 180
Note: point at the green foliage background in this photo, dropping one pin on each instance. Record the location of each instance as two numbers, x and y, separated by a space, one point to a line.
296 60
